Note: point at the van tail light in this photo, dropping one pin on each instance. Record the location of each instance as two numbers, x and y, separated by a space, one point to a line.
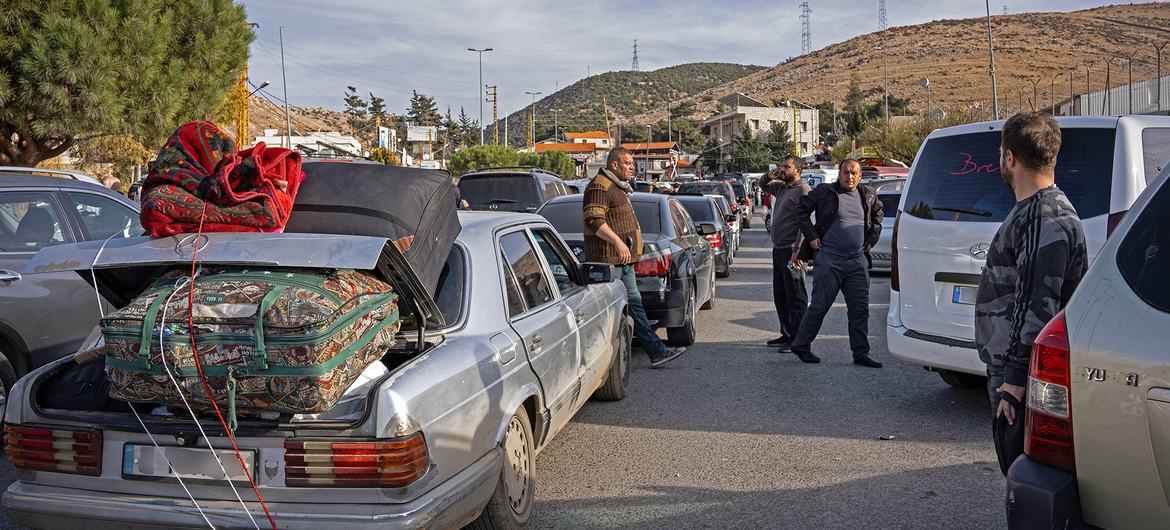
716 240
895 285
1048 434
656 263
355 463
1114 220
52 449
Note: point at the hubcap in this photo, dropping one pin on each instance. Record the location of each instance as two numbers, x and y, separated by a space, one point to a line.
517 472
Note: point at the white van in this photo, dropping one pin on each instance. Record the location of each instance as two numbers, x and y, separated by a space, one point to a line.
953 203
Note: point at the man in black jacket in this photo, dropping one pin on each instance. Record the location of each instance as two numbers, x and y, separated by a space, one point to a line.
849 222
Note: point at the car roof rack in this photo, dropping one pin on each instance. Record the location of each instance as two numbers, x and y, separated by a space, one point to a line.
525 168
75 175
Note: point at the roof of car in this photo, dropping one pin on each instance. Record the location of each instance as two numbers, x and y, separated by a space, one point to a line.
1064 121
533 171
14 179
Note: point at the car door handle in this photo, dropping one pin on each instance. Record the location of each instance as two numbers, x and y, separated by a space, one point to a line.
580 316
7 276
536 343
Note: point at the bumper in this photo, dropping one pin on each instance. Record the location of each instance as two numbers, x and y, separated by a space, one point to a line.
663 304
1041 496
449 505
933 354
722 263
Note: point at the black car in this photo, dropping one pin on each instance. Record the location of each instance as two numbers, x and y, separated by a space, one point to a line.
718 187
510 189
703 209
676 272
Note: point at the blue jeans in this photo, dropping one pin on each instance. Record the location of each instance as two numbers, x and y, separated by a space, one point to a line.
646 336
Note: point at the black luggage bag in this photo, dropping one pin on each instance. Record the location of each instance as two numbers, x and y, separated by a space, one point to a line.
415 207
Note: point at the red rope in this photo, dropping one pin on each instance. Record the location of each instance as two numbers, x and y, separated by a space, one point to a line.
199 367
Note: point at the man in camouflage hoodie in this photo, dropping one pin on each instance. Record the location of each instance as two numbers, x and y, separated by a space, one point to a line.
1035 262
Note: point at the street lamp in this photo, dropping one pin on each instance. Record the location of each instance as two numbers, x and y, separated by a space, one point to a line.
1159 82
532 118
480 53
1088 64
649 137
262 85
885 83
925 83
556 134
1129 66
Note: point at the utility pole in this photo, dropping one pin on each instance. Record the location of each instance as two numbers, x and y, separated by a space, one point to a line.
1085 109
991 56
243 95
634 64
1108 81
885 75
556 125
795 131
1052 94
882 15
532 120
284 81
491 91
480 53
805 29
1158 97
1071 101
1129 65
925 83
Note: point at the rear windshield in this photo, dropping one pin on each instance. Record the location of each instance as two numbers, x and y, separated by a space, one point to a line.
649 217
702 187
701 211
566 217
501 190
740 192
956 178
889 204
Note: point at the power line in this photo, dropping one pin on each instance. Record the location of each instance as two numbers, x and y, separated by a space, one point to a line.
805 30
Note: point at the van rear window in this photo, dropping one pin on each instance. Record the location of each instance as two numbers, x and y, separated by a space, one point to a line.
957 178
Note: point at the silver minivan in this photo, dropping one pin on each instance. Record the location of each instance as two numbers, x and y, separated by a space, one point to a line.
953 203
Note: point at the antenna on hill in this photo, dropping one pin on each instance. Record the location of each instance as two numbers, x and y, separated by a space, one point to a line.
634 64
1005 9
882 25
805 31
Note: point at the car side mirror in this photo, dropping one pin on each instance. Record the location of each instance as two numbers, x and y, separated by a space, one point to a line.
730 217
595 273
706 229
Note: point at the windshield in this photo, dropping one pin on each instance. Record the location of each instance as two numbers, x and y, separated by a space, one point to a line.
889 204
700 210
505 192
718 188
740 192
565 216
649 216
956 178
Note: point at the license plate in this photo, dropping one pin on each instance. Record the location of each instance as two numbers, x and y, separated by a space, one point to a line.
964 295
189 463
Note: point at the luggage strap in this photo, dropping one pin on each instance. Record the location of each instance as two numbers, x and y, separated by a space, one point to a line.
148 332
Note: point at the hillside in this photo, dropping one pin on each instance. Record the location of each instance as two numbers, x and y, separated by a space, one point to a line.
627 93
953 54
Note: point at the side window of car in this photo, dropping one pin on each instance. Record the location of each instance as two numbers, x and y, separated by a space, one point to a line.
558 261
104 217
550 189
682 221
526 266
29 221
450 291
1155 150
511 289
1140 256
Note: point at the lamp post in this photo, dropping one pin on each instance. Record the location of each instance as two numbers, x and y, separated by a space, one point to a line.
1108 81
885 84
532 118
556 129
1158 94
1071 101
925 83
649 138
259 88
480 53
991 56
1129 66
1088 64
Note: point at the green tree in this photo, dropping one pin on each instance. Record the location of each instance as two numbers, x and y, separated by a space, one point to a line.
479 156
448 134
377 107
826 113
468 130
76 70
779 142
423 110
747 152
356 111
558 162
854 107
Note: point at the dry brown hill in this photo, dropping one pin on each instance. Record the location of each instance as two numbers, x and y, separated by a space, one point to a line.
263 114
953 54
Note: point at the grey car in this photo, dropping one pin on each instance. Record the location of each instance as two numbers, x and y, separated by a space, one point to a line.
882 252
523 335
38 212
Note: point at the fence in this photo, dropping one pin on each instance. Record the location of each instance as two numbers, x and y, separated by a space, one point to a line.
1138 98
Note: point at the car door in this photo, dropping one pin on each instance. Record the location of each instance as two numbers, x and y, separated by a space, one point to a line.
697 248
546 326
596 323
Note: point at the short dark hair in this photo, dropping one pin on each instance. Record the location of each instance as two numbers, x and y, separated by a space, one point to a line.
841 166
796 161
615 155
1034 139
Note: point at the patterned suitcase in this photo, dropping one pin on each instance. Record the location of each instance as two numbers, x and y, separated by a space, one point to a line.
269 340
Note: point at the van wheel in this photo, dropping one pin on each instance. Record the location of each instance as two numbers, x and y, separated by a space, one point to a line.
614 388
684 335
510 506
962 380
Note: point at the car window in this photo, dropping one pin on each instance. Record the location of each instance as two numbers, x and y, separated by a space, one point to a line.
1143 257
557 259
682 221
30 220
701 211
566 217
529 273
1155 150
889 204
451 289
649 216
740 191
505 192
104 217
962 173
512 296
551 191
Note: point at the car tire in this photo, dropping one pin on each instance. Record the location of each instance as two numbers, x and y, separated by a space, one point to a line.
508 509
962 380
8 377
684 335
614 388
747 221
725 273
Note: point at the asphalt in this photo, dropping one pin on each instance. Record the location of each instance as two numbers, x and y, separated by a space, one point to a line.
736 435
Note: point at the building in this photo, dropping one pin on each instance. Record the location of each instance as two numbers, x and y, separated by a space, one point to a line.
330 144
598 138
581 152
803 122
651 159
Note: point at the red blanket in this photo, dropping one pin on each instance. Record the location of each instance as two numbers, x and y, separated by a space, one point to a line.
199 176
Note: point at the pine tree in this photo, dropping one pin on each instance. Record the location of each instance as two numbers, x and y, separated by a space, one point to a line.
377 107
747 152
423 110
779 142
448 133
356 110
854 107
76 70
468 129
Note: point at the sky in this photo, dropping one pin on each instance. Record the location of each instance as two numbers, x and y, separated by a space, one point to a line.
391 47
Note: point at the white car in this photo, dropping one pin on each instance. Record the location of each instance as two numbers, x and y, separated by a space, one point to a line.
953 203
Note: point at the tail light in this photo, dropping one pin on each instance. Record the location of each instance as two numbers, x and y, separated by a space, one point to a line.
656 263
1114 220
355 464
1048 435
60 450
895 285
716 239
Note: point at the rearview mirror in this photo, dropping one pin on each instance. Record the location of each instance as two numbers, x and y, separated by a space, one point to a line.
595 273
706 229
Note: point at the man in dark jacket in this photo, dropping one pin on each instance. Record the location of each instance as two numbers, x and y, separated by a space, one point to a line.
849 222
788 292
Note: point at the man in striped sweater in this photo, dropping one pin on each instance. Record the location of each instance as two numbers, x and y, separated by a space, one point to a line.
612 235
1035 262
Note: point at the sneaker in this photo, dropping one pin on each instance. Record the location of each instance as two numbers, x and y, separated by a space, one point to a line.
779 341
807 356
669 355
867 361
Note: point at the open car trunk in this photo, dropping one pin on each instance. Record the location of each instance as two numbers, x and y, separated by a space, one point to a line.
122 269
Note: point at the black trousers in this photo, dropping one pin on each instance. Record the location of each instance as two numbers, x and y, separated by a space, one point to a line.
831 275
788 294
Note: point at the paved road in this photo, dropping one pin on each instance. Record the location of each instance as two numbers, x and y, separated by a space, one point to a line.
734 434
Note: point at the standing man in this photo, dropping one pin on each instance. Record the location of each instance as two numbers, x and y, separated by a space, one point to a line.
849 222
788 293
612 235
1035 262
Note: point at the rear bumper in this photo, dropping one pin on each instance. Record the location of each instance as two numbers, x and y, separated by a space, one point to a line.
663 304
450 505
933 352
1041 496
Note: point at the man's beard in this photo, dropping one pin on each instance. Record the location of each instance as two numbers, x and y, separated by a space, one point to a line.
1007 178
